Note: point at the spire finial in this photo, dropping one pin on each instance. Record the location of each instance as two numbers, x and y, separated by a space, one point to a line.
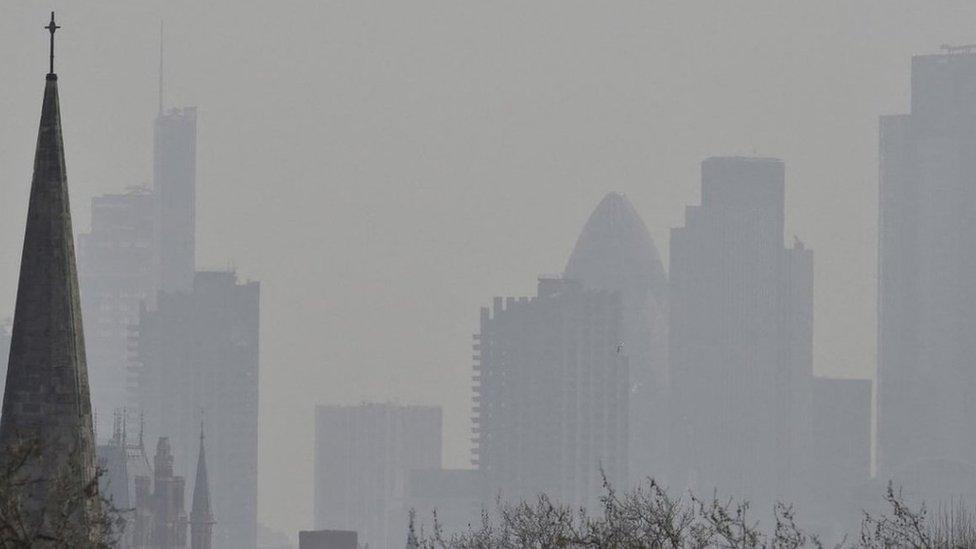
52 26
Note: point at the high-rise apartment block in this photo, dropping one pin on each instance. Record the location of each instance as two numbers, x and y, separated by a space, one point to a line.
551 394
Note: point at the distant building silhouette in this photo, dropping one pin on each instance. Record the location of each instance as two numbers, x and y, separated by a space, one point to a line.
363 457
117 276
175 184
327 539
740 337
551 394
46 397
927 271
197 356
615 252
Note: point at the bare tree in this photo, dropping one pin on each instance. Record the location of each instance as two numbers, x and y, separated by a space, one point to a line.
57 521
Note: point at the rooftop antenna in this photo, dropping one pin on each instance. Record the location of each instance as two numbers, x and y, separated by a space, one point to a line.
52 26
160 66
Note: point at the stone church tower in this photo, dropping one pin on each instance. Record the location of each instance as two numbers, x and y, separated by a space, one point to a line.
46 399
201 515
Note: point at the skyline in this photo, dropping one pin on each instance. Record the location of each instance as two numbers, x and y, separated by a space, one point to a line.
226 235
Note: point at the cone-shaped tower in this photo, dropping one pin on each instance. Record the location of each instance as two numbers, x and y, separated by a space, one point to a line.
615 252
201 515
46 399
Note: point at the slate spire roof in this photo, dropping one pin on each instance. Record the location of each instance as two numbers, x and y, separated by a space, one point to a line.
46 396
201 513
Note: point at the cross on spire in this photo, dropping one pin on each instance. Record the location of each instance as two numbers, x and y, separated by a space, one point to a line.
52 26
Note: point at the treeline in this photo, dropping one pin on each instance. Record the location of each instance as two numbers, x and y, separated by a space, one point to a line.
649 517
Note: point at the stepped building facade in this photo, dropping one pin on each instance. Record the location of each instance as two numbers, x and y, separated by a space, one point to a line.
741 335
927 273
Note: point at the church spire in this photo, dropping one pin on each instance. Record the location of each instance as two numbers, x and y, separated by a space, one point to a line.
46 398
201 515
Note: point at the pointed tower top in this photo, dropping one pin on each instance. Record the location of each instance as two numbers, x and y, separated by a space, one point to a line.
201 513
52 26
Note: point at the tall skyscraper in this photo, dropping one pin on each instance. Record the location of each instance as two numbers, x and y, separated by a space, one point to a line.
740 337
363 457
615 252
46 397
117 276
197 359
551 394
175 186
927 270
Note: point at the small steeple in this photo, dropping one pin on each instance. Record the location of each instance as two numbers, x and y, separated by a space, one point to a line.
201 515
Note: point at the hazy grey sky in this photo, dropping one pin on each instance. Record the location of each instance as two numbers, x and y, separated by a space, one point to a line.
384 168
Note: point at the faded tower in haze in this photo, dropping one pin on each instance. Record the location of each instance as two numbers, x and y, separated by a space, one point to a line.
551 394
198 353
741 329
927 272
615 252
46 397
175 187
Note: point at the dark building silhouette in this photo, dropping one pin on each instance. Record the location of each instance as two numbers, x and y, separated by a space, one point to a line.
175 187
327 539
46 397
551 394
166 502
117 275
363 458
615 252
196 357
201 514
4 353
740 337
927 272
